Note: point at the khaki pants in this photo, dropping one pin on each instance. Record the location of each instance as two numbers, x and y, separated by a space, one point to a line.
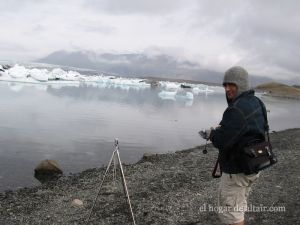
233 192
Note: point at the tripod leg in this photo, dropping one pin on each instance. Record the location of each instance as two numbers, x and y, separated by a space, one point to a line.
115 171
125 186
109 164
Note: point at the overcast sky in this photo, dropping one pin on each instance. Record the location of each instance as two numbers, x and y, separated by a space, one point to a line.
261 35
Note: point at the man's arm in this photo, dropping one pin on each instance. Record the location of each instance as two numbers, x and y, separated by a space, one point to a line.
232 127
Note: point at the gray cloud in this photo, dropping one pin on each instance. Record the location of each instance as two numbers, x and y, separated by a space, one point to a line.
265 33
270 33
13 51
11 47
260 35
135 6
98 28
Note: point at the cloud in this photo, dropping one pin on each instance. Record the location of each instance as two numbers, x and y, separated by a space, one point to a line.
259 35
135 6
271 36
97 28
13 51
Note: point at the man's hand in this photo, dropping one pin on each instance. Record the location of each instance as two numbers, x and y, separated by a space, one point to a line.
205 134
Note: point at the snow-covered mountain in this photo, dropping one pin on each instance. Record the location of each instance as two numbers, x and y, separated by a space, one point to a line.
133 65
139 65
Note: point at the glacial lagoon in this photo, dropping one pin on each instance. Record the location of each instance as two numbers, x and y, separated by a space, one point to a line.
75 123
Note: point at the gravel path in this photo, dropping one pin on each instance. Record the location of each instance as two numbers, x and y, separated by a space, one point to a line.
174 188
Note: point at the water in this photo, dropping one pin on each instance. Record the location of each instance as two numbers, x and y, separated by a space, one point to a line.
76 126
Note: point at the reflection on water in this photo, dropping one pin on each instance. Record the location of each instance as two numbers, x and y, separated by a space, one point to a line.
76 125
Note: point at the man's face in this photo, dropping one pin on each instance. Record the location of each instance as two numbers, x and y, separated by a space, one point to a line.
230 90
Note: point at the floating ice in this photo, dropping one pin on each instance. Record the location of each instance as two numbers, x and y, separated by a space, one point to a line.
170 95
59 74
170 85
205 89
185 95
173 95
57 78
18 72
39 75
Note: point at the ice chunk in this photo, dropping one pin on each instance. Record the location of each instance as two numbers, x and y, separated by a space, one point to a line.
185 95
169 95
57 74
18 71
173 95
170 85
39 75
60 74
73 76
197 90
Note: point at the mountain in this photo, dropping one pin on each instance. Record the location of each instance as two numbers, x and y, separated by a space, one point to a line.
280 90
139 65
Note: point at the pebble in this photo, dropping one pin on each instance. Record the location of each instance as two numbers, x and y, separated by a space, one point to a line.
77 202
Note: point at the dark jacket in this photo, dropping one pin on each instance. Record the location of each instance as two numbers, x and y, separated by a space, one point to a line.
242 122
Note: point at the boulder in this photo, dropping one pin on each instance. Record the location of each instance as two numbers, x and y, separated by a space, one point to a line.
47 169
149 157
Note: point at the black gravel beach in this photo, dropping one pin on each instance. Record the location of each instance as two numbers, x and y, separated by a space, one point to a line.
173 188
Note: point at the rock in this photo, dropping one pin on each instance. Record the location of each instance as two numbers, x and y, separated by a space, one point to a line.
185 86
47 169
77 203
148 157
153 83
6 67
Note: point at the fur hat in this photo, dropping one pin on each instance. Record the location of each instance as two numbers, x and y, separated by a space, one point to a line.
238 76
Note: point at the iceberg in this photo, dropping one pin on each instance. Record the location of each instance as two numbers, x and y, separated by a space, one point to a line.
18 72
185 95
170 85
56 77
198 90
167 95
173 95
59 74
39 75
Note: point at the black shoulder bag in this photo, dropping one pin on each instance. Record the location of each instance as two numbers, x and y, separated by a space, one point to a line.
258 155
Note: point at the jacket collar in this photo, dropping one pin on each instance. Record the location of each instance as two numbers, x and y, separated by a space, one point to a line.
243 94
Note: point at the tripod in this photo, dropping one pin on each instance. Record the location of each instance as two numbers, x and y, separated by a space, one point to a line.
115 158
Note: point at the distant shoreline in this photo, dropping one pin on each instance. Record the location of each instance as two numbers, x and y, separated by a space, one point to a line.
279 90
181 81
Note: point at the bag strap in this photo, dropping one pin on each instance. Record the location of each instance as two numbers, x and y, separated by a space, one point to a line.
217 172
265 117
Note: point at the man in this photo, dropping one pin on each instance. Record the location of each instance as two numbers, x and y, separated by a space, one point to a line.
242 121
